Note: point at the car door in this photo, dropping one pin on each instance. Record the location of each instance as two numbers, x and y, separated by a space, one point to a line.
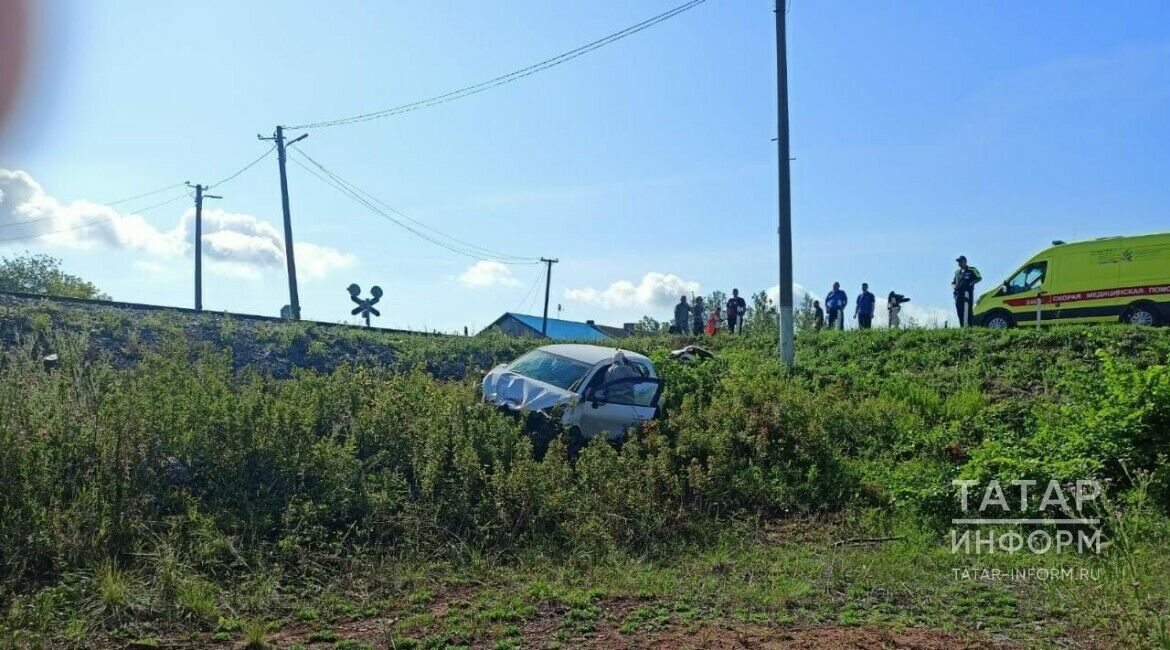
1024 293
616 406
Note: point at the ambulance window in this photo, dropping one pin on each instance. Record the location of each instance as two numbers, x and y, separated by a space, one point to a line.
1030 277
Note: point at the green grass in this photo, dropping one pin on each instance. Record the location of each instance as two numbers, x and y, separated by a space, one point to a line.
157 485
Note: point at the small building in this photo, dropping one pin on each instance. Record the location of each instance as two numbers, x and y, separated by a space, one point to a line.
514 324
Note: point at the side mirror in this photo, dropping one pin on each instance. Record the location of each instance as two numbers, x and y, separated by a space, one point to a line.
596 397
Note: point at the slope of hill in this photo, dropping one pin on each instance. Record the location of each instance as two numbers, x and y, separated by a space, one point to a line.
206 481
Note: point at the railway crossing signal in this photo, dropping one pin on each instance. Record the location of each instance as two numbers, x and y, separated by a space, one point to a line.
365 306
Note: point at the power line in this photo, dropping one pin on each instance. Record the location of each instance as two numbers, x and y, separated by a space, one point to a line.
139 196
524 301
89 224
243 169
511 76
454 248
144 194
455 245
96 222
149 207
486 251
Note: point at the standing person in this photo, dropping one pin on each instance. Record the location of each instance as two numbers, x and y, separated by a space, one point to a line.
835 302
894 308
818 316
963 285
682 316
697 315
863 310
736 309
713 321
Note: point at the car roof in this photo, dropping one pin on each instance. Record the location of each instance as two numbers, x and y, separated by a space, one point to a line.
591 354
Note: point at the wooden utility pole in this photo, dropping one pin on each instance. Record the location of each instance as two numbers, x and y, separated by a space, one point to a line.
294 300
199 196
547 284
786 347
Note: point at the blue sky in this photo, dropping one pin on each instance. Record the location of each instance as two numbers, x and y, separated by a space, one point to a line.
921 130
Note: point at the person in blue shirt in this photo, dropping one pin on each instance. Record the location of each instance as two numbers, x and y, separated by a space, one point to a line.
863 311
835 304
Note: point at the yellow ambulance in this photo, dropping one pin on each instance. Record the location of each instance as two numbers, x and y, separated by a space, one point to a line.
1111 279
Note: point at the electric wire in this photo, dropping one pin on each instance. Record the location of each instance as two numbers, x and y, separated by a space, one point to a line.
454 244
524 301
96 222
534 301
464 244
243 169
376 210
88 224
506 78
144 194
149 207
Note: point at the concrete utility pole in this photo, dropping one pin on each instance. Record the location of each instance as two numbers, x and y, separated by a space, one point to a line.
199 196
294 300
547 284
786 346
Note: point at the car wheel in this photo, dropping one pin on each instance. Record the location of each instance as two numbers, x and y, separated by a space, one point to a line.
999 320
1142 315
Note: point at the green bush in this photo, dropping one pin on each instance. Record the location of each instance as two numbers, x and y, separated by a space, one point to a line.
162 478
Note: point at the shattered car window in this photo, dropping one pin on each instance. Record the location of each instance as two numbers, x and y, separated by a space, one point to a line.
550 368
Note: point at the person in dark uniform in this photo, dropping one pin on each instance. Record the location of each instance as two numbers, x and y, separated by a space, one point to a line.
736 309
682 316
963 284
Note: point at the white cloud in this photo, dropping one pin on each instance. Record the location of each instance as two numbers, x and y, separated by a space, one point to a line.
798 293
234 237
654 290
315 261
27 212
234 244
487 274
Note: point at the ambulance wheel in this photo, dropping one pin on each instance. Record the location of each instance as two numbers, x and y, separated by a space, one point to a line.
1142 313
999 320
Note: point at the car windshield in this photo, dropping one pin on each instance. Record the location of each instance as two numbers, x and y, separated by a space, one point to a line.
552 369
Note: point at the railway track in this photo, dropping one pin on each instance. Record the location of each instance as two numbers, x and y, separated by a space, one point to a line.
16 298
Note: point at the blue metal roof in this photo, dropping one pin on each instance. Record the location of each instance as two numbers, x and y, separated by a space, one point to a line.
563 330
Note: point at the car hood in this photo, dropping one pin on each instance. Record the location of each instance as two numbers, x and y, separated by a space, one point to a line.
517 392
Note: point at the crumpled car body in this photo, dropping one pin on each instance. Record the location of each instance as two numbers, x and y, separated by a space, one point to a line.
519 393
574 376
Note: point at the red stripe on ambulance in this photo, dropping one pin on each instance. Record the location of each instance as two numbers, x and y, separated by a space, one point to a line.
1097 294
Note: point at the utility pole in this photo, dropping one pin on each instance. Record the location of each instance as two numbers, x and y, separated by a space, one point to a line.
294 300
547 284
786 347
199 196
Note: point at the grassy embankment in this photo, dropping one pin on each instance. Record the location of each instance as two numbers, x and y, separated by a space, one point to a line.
161 484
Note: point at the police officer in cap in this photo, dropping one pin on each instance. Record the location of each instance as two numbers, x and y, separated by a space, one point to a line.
963 284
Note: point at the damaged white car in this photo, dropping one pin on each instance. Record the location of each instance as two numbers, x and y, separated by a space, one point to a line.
603 390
